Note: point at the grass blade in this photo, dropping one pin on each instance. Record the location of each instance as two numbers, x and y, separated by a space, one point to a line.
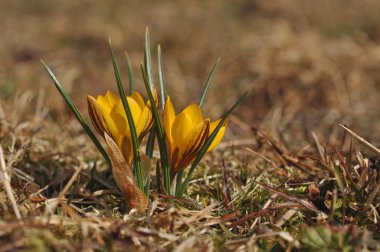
161 77
208 142
128 112
131 76
361 139
150 143
148 60
178 181
147 188
158 177
208 83
76 113
160 134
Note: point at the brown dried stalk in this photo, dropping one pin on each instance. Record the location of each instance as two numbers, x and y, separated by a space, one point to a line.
6 180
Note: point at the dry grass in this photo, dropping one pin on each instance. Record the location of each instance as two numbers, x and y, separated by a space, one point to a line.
287 177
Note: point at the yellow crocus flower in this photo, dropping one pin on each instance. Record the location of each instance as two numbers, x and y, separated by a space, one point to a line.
186 133
108 115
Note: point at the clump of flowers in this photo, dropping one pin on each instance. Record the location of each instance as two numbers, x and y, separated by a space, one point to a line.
123 122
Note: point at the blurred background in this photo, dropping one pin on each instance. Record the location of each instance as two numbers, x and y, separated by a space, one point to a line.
310 64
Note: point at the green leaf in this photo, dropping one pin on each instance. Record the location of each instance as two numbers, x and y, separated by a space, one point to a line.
178 181
317 238
128 112
130 74
160 134
339 177
148 60
158 176
208 82
150 144
77 114
207 144
147 188
161 77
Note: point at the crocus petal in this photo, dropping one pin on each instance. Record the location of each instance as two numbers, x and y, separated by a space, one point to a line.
126 149
120 122
219 135
168 118
194 112
104 103
193 143
138 98
100 118
111 98
145 122
182 126
120 117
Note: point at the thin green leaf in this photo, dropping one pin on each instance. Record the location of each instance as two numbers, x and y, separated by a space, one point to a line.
208 142
147 188
161 77
148 60
158 176
77 114
339 177
208 83
128 112
150 144
131 77
160 134
178 181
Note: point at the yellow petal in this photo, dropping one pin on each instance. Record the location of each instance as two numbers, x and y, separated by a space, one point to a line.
194 112
104 103
135 109
108 101
192 144
120 121
111 98
145 122
168 118
100 118
138 98
119 116
219 135
182 126
126 149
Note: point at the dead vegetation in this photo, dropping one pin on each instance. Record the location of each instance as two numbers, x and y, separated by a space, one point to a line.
265 197
288 176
